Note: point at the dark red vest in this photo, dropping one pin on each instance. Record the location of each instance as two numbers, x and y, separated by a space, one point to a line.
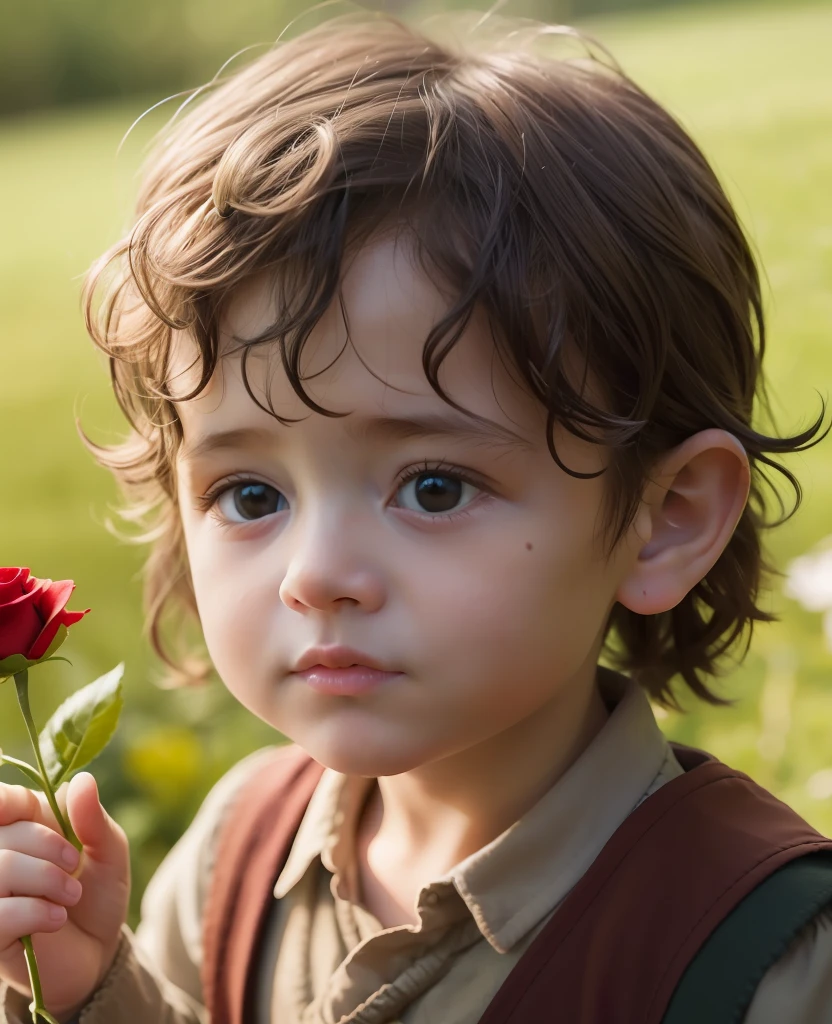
619 943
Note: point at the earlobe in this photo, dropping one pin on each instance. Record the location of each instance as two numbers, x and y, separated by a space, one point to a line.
690 509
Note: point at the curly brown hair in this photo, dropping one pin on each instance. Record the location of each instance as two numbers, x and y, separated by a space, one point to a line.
549 189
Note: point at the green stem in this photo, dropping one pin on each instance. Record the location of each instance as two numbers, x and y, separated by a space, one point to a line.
21 682
27 769
36 1006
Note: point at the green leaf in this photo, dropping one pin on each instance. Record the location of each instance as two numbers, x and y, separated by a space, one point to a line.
12 665
82 726
18 662
31 773
57 640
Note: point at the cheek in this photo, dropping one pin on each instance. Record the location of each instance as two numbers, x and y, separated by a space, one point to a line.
233 619
517 610
235 603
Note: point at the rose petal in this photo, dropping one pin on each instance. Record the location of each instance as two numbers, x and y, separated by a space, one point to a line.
11 583
20 622
31 612
53 614
54 599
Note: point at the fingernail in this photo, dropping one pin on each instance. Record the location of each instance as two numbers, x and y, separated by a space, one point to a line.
56 913
69 855
72 887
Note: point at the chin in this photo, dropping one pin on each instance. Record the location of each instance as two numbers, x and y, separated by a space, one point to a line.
351 753
358 760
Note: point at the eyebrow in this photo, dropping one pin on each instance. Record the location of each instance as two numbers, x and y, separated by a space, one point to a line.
379 428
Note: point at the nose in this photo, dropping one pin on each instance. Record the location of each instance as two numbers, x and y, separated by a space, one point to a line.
331 565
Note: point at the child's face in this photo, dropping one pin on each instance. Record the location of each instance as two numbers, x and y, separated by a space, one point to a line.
489 594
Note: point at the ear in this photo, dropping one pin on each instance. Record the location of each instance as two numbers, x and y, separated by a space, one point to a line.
689 511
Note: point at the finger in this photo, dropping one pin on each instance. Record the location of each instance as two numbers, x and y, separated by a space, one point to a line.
39 841
103 838
24 915
17 803
21 875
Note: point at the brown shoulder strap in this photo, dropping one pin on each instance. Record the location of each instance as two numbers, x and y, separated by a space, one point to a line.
253 845
621 940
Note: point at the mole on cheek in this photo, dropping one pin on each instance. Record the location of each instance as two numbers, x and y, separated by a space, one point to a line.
528 545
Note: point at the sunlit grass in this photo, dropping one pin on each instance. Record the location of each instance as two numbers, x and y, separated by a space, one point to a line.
751 85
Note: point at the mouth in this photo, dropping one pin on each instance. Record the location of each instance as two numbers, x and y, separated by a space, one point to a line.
338 656
347 681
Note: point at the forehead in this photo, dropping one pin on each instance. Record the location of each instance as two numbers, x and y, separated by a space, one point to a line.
364 355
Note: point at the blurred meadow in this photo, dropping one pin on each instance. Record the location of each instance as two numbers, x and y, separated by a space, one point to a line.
753 85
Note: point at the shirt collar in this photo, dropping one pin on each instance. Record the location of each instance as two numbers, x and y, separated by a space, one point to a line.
513 882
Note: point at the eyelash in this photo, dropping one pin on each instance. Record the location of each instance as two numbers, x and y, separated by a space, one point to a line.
450 470
208 502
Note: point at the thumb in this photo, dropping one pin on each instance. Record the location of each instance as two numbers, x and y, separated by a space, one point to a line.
103 839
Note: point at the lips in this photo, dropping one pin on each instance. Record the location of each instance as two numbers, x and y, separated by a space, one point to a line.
338 656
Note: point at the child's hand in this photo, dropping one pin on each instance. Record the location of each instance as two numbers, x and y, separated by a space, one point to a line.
76 947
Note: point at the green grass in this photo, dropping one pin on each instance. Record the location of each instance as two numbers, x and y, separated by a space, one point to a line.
749 82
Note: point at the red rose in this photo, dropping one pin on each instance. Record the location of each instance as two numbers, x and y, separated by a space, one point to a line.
31 612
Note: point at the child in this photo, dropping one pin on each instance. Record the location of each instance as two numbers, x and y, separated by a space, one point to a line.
371 274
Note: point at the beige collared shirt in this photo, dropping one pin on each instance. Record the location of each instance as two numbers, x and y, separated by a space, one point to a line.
327 960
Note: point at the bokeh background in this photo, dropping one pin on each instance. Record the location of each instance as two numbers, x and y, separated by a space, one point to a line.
751 81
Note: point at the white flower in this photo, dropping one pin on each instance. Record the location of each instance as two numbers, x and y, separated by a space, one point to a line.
809 581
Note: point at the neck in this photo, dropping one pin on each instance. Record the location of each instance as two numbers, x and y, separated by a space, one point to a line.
440 813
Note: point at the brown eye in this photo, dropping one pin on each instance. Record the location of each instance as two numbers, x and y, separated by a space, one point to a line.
433 491
246 502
